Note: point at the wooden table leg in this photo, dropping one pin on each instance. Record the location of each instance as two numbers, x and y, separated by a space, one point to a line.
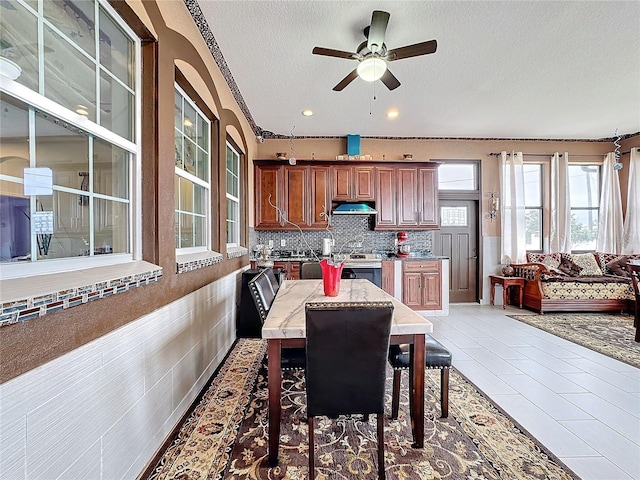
274 379
418 390
505 296
521 289
493 293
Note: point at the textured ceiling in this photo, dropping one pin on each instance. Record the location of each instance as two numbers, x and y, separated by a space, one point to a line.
508 69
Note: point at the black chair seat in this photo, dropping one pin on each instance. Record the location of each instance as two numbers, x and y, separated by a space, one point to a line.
293 358
436 356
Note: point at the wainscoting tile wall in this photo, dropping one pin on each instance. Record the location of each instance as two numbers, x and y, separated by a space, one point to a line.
102 410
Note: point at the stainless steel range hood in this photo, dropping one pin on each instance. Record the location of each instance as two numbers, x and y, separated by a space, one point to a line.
354 208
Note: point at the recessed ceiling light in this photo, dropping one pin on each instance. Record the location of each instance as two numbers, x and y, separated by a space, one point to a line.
307 112
9 69
392 114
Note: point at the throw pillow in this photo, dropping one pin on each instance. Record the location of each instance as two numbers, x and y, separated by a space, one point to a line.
587 261
605 259
568 267
549 260
619 267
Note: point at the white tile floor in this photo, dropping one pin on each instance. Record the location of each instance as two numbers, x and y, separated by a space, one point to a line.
583 406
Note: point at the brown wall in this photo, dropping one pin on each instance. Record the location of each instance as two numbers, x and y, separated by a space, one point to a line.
170 38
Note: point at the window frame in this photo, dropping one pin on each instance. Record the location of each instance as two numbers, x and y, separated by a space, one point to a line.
134 148
596 208
539 208
207 185
237 200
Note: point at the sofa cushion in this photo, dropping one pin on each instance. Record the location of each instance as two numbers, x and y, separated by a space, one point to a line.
549 260
618 267
587 261
569 267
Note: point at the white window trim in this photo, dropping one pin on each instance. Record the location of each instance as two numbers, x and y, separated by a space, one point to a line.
180 252
22 93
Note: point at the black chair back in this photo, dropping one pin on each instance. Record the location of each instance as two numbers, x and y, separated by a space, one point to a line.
347 348
271 275
262 293
310 270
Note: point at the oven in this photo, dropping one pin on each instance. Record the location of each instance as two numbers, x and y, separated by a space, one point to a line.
365 265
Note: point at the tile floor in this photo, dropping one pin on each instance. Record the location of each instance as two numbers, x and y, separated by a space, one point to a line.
583 406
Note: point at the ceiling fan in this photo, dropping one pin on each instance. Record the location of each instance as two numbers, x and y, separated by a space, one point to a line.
373 55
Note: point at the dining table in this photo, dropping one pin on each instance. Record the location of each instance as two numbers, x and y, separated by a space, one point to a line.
285 327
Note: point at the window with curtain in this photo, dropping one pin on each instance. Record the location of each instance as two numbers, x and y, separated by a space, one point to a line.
233 197
192 176
89 210
533 205
584 194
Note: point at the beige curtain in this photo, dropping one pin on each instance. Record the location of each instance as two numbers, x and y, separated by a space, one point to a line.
512 218
609 238
560 218
631 235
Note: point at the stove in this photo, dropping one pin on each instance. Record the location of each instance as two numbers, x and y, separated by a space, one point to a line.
360 260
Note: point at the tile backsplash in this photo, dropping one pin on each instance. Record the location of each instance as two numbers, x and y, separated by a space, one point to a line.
351 232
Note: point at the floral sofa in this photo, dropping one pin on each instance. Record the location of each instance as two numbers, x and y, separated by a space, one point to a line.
561 282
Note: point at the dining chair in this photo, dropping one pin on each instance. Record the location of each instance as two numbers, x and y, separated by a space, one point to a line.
292 358
436 356
634 270
271 275
310 270
347 348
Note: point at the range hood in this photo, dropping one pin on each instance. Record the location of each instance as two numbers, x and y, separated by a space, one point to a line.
356 208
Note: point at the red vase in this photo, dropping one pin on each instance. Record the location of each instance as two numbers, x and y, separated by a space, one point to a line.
331 274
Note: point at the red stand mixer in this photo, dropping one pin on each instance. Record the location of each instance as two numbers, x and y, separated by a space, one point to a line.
403 246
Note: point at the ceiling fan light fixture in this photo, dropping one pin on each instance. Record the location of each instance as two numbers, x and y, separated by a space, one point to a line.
9 68
371 69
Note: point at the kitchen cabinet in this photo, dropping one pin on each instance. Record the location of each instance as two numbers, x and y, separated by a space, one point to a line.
301 192
291 269
269 189
352 183
421 284
320 183
407 197
388 276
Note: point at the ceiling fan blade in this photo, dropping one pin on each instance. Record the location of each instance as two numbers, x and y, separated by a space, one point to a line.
346 81
328 52
415 50
390 80
378 28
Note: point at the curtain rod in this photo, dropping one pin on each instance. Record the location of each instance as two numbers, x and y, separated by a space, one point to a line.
574 155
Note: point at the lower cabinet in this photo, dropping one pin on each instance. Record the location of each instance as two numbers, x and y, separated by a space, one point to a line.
291 269
421 284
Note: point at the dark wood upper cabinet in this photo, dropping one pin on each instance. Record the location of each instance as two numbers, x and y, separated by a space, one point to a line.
301 192
405 195
386 197
319 181
296 186
268 187
353 183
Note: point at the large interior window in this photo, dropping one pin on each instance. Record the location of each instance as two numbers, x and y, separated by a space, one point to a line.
192 185
584 194
68 149
233 197
533 205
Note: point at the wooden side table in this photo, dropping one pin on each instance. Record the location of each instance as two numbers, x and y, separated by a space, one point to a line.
506 283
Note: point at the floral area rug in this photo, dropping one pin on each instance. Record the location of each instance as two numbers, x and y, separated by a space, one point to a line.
609 334
221 440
